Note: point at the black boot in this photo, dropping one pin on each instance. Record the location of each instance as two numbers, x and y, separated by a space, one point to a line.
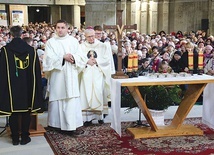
25 128
87 123
24 141
100 121
15 140
14 128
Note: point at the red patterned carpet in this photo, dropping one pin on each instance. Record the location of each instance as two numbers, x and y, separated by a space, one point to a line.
103 140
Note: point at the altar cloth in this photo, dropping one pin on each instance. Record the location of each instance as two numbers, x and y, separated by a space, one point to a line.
148 81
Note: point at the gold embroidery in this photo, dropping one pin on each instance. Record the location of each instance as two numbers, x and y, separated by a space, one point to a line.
22 64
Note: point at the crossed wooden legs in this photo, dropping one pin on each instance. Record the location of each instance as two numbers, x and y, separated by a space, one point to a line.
176 128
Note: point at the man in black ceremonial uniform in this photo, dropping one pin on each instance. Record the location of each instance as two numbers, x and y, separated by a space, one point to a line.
20 85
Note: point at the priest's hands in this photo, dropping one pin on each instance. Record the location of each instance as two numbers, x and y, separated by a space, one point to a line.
210 72
69 57
92 62
186 69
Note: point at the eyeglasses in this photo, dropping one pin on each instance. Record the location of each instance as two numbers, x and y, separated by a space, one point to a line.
98 33
90 36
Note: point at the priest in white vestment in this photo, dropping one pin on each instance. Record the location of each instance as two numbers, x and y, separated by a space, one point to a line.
208 97
95 78
208 106
61 64
98 35
102 36
112 70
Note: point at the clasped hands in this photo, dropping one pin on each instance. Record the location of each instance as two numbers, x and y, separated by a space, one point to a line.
92 62
210 72
69 57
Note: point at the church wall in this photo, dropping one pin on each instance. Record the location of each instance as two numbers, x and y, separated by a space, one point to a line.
138 14
187 16
45 2
163 16
42 2
143 24
55 13
76 16
211 18
66 13
173 15
69 2
153 16
99 12
129 13
149 15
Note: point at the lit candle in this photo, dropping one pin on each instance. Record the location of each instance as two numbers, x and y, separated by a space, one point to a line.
200 59
190 60
130 62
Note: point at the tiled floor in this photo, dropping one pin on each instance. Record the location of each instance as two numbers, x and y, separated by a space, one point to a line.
39 145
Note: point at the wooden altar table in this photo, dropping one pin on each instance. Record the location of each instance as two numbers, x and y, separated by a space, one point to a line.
196 85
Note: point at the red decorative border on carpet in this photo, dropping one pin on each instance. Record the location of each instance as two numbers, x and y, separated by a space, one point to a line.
102 139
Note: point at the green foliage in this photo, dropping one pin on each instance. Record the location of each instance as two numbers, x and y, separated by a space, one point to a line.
156 97
161 97
126 98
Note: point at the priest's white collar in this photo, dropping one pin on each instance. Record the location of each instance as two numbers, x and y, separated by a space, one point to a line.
61 38
96 42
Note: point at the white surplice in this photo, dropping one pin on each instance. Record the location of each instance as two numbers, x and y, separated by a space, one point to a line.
65 114
63 83
112 69
208 105
94 79
111 57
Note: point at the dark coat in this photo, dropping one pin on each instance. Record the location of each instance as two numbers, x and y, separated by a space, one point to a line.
177 65
20 78
184 58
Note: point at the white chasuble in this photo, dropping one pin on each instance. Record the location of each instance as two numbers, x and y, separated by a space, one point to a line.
208 105
95 80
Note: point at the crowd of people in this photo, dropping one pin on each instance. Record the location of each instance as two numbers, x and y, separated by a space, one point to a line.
169 52
77 64
155 46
